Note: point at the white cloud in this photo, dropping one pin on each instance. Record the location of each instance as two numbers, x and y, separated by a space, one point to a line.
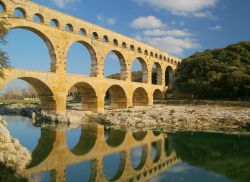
182 7
173 32
147 22
64 3
217 28
102 19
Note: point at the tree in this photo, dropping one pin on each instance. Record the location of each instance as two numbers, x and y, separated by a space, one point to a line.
4 61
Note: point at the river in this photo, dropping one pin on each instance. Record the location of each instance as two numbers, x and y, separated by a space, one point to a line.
93 152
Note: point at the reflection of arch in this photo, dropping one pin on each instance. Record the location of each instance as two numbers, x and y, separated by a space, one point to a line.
88 96
94 68
44 147
157 79
87 140
118 97
140 97
45 40
123 67
115 137
144 69
169 76
158 95
167 146
157 147
143 158
140 135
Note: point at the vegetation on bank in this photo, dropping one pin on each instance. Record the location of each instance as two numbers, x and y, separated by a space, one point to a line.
16 101
9 174
216 74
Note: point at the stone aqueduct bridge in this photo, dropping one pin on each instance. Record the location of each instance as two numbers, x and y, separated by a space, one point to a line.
52 154
59 31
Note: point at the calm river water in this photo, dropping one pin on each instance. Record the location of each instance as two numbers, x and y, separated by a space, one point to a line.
96 153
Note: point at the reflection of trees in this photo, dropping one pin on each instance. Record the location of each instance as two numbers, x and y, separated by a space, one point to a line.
228 155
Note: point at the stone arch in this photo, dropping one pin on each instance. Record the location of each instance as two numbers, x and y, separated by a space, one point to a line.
2 7
94 35
86 141
83 32
158 95
132 47
160 57
139 50
115 136
143 157
115 42
54 23
91 50
44 92
123 66
124 45
105 38
69 27
47 41
144 70
169 76
140 135
146 52
140 97
156 150
156 55
118 97
38 18
88 96
20 12
151 54
157 74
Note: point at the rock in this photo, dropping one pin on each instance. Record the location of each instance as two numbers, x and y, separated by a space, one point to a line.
12 153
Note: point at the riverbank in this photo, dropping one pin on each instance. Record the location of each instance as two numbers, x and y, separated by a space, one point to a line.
187 117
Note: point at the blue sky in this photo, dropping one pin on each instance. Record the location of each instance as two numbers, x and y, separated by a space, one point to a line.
180 27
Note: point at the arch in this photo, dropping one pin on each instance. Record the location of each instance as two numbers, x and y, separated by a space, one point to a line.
140 135
20 12
156 55
164 58
157 96
132 47
146 52
88 96
94 35
138 157
156 74
86 141
2 7
160 57
140 97
92 53
151 54
123 67
115 42
143 73
38 18
105 38
115 136
156 151
118 97
124 45
139 50
69 27
169 77
82 31
54 23
48 43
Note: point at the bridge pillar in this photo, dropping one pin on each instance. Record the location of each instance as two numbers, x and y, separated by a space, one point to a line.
60 103
58 175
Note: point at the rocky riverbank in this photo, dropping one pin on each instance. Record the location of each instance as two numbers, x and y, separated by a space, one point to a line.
12 154
170 117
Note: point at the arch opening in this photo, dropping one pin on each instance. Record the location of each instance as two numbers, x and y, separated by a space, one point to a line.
69 27
139 71
20 12
124 45
83 32
155 151
169 77
115 42
116 97
94 35
28 48
140 135
114 165
38 18
54 23
81 59
115 66
157 96
140 97
105 38
31 90
84 94
114 137
156 74
2 7
138 157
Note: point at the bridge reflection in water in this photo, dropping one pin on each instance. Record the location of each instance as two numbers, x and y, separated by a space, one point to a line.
141 155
